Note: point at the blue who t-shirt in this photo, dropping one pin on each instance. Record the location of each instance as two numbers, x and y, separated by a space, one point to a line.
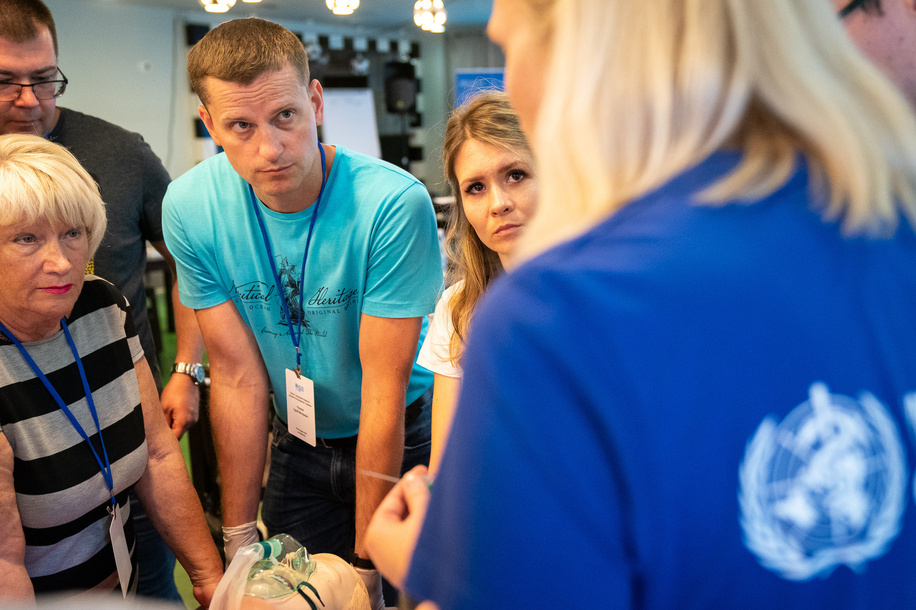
686 407
374 250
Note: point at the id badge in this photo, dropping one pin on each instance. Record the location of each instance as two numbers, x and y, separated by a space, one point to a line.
300 406
119 546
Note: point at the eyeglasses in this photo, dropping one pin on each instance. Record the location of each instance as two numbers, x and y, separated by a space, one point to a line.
45 90
843 12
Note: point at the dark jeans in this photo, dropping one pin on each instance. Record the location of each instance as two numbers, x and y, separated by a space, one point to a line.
311 491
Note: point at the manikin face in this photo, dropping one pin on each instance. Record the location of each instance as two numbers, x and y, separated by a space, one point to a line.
498 194
515 26
269 132
28 62
41 275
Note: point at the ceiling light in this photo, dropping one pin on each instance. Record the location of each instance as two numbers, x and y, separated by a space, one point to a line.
343 7
217 6
430 15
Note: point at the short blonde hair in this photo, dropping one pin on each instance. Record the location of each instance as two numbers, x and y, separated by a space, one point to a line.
641 91
241 50
43 181
489 118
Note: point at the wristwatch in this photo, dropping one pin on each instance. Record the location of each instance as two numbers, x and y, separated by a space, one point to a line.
195 371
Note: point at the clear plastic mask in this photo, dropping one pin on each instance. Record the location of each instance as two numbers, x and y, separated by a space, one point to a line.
286 567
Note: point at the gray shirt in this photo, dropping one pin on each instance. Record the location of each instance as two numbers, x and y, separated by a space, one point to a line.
132 182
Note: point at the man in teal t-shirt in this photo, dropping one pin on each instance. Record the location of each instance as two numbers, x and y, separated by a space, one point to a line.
311 269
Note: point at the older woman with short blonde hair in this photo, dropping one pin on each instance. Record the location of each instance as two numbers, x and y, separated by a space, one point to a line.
80 421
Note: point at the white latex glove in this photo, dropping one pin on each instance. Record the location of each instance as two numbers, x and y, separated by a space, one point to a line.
373 581
238 536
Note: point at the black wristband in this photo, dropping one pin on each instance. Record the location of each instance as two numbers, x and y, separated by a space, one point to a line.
361 562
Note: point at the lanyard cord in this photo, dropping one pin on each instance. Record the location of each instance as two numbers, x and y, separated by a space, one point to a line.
106 466
296 337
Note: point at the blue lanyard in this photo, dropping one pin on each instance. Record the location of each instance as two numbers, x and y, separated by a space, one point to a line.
296 337
106 466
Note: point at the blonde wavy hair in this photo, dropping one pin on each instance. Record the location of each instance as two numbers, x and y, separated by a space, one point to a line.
43 181
659 86
488 118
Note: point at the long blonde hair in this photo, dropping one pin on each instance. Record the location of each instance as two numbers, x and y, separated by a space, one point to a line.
487 118
659 86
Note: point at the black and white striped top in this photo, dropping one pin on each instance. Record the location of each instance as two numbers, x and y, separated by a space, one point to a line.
60 490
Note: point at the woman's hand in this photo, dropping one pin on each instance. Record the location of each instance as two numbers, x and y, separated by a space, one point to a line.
203 591
395 526
170 500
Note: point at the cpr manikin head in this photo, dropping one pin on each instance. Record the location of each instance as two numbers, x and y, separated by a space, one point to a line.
279 573
332 578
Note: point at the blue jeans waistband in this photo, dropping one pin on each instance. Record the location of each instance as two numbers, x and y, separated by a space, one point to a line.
411 414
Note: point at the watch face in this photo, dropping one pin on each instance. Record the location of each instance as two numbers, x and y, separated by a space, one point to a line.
195 371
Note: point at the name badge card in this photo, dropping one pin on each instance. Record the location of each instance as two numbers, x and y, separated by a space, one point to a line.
300 406
119 545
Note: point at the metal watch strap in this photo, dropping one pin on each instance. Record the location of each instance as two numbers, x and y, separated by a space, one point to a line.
187 368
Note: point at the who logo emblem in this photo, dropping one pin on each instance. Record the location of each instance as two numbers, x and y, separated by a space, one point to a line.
823 488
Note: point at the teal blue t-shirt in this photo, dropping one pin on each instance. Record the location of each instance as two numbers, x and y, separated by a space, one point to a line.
374 250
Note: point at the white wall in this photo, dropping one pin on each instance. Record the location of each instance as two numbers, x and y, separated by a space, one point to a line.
126 64
118 60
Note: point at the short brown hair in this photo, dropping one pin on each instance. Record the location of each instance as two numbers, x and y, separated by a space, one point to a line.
241 50
20 20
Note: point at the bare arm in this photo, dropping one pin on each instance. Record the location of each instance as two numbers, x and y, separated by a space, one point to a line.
169 498
395 527
16 584
238 409
387 348
445 397
180 397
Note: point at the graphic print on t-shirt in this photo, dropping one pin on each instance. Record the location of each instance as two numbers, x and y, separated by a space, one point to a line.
824 487
261 296
289 280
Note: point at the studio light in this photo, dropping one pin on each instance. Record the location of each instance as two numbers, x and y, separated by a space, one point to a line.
429 15
343 7
217 6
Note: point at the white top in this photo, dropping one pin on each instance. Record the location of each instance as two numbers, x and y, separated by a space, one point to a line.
434 354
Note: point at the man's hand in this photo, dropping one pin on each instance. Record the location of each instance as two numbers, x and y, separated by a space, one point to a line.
180 403
373 581
237 537
181 398
387 349
395 526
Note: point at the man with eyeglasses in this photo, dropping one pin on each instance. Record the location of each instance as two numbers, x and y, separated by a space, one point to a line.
885 31
132 182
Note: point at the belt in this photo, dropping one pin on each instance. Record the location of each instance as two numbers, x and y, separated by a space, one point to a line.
411 414
337 443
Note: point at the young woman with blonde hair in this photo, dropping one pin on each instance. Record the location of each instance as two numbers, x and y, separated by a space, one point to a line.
489 168
698 390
